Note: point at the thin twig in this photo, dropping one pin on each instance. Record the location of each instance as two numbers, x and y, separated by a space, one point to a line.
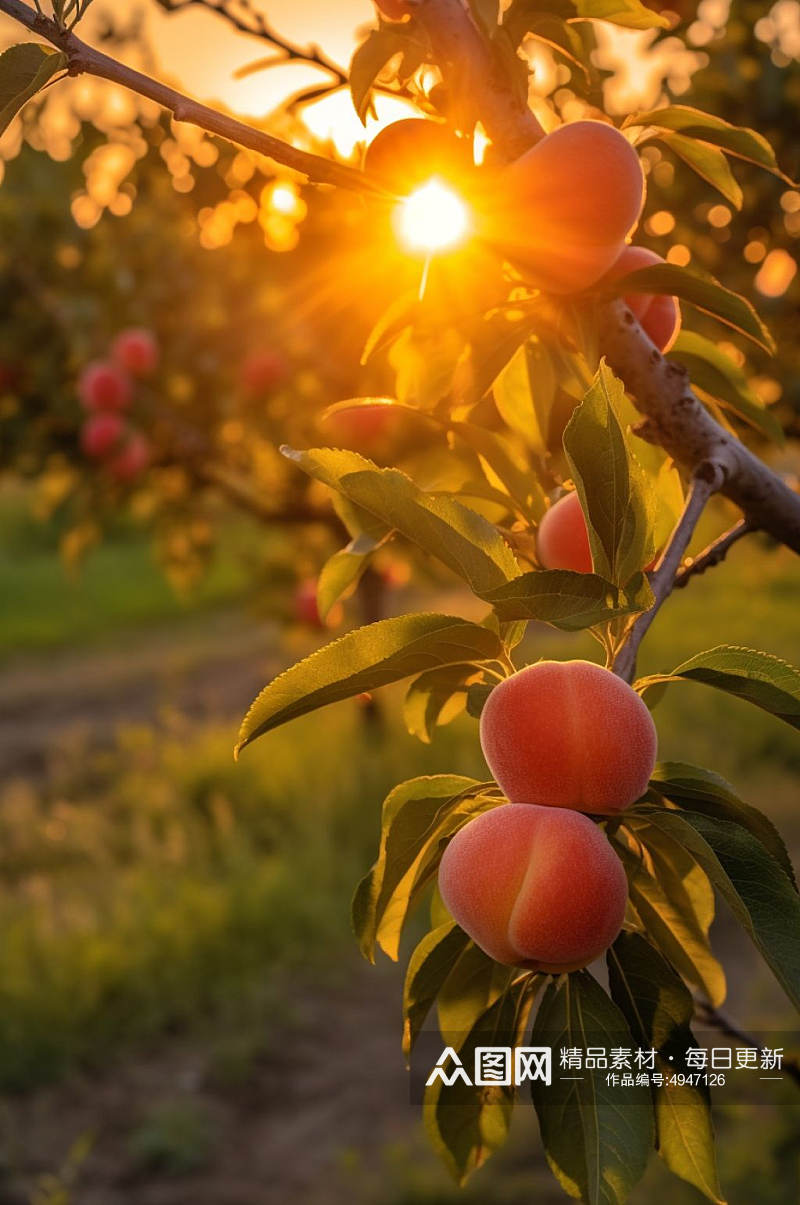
86 59
713 555
707 479
250 21
709 1015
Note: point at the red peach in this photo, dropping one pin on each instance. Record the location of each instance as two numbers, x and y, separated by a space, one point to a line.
101 433
535 887
132 460
565 208
136 351
410 152
562 540
263 372
360 428
305 605
103 386
659 314
393 10
569 734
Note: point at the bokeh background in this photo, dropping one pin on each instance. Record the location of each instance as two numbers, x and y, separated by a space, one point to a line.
183 1014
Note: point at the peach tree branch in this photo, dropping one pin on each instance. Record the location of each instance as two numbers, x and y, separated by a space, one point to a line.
706 480
82 58
712 555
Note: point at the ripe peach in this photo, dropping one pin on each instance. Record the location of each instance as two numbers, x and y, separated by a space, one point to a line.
568 734
360 428
263 372
101 433
659 314
103 386
136 351
535 887
565 208
304 604
408 153
132 460
562 540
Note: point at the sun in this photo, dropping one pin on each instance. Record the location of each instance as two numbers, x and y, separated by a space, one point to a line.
433 218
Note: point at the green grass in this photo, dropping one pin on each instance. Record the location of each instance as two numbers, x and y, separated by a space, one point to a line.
119 586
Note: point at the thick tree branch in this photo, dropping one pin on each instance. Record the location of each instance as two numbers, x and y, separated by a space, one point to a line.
678 421
83 58
707 479
713 555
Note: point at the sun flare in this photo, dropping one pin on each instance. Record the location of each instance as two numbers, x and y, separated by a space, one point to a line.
433 218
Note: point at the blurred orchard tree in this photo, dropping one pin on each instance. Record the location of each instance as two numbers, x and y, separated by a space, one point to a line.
529 399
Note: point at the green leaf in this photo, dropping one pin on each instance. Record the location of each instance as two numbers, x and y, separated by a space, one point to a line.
466 1125
344 570
567 600
428 968
758 678
418 817
674 901
24 71
701 291
474 983
459 537
369 60
708 162
760 895
716 374
659 1011
363 660
735 140
435 698
703 791
502 468
616 496
631 14
597 1138
425 364
524 394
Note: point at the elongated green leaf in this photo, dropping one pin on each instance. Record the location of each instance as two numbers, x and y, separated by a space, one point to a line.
631 14
671 910
759 678
708 161
524 394
597 1138
428 968
467 1124
716 374
370 58
363 660
617 498
735 140
704 293
703 791
760 895
504 469
459 537
435 698
567 600
344 570
472 986
418 817
24 71
659 1010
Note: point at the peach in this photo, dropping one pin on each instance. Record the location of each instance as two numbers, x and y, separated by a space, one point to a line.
103 386
568 734
304 604
361 428
132 460
535 887
263 372
136 351
101 433
408 153
659 314
562 540
565 208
